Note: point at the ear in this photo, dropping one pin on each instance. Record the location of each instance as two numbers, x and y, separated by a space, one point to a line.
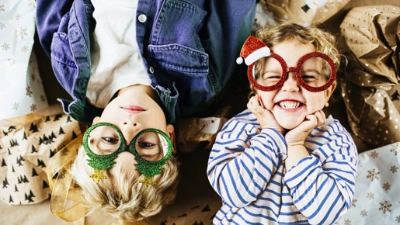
171 134
96 120
329 91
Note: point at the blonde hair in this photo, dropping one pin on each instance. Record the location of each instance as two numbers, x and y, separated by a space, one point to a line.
322 41
124 197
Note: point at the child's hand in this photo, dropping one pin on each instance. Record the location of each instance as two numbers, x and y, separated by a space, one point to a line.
298 135
263 115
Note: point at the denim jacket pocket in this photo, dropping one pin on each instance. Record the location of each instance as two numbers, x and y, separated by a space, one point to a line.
62 59
174 42
178 22
62 62
179 59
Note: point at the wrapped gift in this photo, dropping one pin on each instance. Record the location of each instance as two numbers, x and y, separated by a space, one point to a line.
304 12
26 145
262 17
370 89
197 133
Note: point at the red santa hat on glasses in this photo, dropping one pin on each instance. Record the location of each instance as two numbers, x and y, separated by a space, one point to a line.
253 50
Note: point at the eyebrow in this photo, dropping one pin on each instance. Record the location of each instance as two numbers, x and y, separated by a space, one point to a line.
273 70
156 153
309 69
109 150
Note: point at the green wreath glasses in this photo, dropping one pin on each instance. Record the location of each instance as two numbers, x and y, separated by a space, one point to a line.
104 141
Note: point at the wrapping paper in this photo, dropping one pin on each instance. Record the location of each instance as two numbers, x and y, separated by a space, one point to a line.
21 88
370 89
26 145
304 12
195 133
262 17
376 199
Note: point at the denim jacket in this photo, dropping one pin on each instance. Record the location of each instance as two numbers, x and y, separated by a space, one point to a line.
188 48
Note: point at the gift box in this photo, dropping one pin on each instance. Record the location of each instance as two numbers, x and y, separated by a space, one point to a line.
26 144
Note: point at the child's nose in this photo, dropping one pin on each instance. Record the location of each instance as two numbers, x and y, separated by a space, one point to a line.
291 83
129 129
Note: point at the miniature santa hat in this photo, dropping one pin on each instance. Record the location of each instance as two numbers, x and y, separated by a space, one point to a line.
253 50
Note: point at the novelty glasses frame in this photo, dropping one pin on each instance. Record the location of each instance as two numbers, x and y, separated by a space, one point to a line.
297 70
145 167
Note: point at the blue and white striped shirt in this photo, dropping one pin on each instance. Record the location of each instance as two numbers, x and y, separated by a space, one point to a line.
246 168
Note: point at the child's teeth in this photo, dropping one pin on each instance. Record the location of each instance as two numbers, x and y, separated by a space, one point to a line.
289 105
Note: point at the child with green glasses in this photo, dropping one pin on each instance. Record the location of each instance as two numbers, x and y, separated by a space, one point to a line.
135 66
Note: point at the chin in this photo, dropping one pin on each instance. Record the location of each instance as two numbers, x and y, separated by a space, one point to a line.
289 124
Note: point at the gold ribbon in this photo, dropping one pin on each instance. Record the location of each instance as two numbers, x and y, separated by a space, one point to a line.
66 201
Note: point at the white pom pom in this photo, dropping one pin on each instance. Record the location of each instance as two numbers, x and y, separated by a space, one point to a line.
239 60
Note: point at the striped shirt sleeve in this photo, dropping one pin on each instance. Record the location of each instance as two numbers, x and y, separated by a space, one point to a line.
243 160
322 185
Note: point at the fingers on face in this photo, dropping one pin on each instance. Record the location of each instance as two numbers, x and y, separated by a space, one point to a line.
260 102
253 105
250 104
321 118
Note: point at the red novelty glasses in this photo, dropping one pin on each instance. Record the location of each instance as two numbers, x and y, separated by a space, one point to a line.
268 71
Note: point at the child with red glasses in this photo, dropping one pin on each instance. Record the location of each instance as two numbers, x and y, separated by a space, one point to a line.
282 161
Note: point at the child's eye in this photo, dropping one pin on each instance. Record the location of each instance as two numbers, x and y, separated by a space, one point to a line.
271 76
269 79
110 140
309 77
146 145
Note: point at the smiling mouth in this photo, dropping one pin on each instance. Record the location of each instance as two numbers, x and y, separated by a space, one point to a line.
133 108
289 104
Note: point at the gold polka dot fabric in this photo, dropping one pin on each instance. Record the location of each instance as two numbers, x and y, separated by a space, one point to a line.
371 89
304 12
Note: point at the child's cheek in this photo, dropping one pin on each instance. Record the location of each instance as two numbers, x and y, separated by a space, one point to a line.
266 101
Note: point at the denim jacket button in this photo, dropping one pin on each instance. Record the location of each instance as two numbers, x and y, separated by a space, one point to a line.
142 18
151 69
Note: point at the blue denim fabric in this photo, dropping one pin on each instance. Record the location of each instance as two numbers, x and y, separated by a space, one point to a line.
188 47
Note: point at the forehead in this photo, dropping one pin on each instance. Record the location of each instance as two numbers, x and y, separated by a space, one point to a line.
292 50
